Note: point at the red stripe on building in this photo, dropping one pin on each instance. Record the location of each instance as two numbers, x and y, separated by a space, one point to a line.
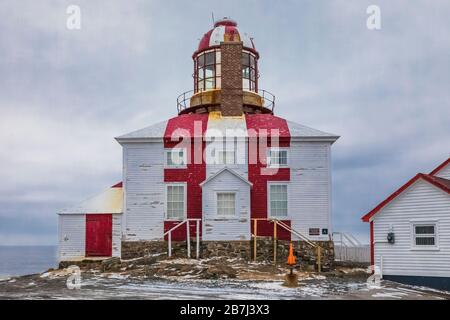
194 173
259 196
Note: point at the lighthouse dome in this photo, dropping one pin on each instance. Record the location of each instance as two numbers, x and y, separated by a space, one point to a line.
225 30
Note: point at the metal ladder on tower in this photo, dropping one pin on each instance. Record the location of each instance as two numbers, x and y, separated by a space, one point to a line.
168 233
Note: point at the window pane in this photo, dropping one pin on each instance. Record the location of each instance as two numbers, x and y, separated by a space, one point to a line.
226 157
175 158
278 200
246 73
252 74
218 56
200 74
209 71
201 85
245 59
424 229
277 157
252 62
226 204
209 83
218 69
245 84
425 241
209 58
175 202
200 61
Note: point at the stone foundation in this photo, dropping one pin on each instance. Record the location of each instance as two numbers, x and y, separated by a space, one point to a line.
229 249
306 254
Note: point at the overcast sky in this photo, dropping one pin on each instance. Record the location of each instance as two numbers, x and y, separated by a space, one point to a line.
64 94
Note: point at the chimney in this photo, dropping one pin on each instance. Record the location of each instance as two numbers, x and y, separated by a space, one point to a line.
231 87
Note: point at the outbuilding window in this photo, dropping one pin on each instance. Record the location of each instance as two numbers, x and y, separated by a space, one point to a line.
176 202
424 235
226 204
278 200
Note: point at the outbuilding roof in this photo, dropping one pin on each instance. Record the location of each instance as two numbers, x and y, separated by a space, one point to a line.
440 183
440 167
109 201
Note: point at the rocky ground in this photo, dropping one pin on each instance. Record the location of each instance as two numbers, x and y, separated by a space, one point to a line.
155 277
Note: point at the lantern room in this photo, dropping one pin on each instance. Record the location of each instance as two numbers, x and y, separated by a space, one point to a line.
226 68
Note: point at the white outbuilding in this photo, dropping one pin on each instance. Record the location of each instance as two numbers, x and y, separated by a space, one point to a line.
92 228
410 231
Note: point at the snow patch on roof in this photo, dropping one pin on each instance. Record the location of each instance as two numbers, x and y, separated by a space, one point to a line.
154 131
109 201
299 130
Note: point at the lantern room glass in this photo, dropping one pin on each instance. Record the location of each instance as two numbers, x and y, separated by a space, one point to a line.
208 71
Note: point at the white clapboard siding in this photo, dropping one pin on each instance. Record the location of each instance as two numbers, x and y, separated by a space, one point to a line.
310 187
116 235
420 202
220 228
144 191
444 172
72 236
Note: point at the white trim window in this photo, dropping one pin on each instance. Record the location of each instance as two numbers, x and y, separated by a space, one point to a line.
175 201
175 158
278 200
424 235
226 204
226 157
277 157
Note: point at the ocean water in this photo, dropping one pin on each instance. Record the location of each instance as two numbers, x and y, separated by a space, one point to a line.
23 260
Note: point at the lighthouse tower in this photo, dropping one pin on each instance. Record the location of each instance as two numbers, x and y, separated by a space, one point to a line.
226 75
223 170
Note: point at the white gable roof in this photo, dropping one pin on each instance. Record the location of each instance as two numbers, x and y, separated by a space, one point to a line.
155 131
300 131
218 173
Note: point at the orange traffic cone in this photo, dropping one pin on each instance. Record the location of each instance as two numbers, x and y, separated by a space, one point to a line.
291 258
291 279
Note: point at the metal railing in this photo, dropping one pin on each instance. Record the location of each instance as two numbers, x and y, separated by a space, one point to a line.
188 237
286 227
184 99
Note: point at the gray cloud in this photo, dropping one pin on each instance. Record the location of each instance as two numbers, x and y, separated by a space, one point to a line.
65 94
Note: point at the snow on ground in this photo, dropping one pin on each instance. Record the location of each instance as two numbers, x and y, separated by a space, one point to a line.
120 286
179 279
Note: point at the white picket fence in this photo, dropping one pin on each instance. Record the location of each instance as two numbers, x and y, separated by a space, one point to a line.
348 248
354 254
